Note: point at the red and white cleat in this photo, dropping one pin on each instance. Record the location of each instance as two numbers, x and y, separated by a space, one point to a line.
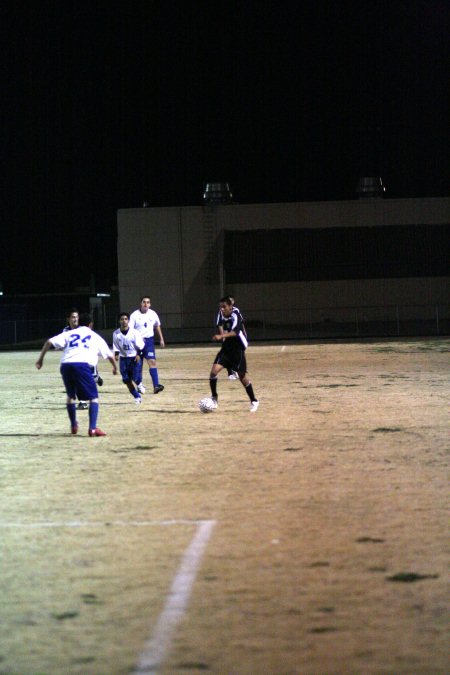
96 432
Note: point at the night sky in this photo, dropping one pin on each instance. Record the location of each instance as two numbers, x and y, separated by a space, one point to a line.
106 104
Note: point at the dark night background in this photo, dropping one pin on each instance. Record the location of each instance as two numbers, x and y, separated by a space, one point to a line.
106 104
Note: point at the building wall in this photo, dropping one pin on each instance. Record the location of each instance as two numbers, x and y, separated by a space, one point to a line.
175 255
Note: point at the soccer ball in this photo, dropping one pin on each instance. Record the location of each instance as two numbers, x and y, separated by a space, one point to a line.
207 405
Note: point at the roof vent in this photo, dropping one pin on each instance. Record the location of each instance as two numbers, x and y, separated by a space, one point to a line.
217 193
370 187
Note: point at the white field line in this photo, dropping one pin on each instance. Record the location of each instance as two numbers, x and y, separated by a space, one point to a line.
87 523
157 647
283 348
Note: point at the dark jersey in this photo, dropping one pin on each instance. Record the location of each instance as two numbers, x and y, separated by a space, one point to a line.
234 323
220 316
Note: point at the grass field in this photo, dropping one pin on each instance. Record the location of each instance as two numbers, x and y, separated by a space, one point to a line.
309 537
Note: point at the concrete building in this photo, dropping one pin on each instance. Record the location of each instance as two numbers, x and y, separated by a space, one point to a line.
297 270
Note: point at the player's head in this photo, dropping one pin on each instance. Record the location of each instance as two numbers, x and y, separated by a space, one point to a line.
226 306
73 317
85 319
145 303
124 319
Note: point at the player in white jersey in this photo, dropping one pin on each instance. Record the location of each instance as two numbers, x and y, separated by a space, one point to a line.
146 322
81 347
73 318
127 346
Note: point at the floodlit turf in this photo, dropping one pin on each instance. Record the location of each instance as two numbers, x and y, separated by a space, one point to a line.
325 515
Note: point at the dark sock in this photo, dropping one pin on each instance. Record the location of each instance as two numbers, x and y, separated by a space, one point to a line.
250 392
72 412
154 376
213 386
93 414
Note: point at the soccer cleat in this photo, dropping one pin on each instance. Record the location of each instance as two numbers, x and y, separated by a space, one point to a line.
158 388
138 400
215 406
96 432
74 429
141 388
99 381
233 375
254 406
83 405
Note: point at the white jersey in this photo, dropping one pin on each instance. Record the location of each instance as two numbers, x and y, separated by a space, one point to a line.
129 343
144 322
81 345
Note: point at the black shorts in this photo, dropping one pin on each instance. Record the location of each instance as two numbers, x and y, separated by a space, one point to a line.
235 360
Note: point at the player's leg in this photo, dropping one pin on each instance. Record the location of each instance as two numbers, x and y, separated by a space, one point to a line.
150 356
72 412
93 416
127 372
137 376
246 383
135 373
217 366
71 399
88 390
153 370
134 392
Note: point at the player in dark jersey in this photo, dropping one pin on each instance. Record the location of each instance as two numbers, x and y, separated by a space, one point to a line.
232 374
232 354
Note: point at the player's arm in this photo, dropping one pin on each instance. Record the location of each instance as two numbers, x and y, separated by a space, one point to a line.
112 361
39 363
139 346
160 335
115 349
223 336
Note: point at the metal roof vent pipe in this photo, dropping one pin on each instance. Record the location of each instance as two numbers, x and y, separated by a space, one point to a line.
217 193
370 187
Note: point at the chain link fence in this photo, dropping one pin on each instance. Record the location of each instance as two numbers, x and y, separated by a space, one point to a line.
292 324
